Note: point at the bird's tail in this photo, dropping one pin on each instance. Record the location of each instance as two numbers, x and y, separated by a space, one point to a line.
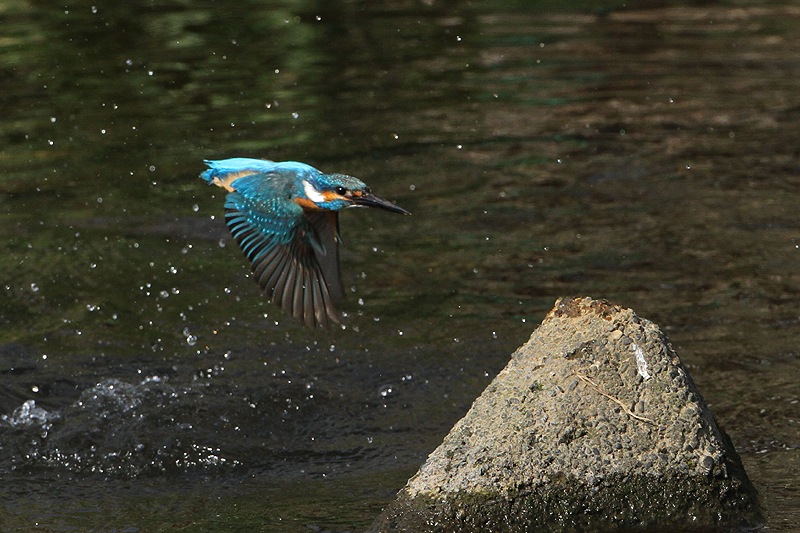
224 172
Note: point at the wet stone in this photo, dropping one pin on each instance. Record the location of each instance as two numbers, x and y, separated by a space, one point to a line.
612 448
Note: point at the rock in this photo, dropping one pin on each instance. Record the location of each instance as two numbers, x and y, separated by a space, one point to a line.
593 424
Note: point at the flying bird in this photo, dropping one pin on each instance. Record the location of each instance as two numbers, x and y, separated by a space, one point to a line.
285 218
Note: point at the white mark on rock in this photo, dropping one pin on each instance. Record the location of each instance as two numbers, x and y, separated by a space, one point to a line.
641 364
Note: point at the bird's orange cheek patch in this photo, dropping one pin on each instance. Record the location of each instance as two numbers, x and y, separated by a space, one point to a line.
305 203
331 196
327 196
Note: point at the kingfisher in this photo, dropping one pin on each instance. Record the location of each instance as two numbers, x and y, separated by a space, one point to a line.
285 218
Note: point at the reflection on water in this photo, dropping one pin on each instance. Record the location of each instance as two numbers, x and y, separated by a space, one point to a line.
643 155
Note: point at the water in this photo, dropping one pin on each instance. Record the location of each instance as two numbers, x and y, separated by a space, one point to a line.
646 155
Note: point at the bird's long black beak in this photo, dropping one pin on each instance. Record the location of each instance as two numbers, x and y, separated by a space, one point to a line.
367 199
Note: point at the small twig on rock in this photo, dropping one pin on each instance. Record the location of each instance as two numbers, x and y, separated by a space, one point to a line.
596 387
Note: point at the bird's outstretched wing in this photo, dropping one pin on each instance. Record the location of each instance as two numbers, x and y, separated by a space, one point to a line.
325 225
293 254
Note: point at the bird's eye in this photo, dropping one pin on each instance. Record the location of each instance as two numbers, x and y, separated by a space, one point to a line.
341 191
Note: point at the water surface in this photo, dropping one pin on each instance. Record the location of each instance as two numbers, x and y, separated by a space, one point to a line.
645 155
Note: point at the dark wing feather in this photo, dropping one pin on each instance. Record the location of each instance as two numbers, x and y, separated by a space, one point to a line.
294 257
325 225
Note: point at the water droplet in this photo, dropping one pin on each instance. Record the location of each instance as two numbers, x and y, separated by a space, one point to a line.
191 339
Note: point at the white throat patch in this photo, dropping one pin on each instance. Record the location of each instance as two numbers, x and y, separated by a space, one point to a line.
313 194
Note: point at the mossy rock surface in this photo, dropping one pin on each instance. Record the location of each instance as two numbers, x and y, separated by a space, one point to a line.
593 424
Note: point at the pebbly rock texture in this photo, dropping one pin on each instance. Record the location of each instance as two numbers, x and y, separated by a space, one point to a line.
593 425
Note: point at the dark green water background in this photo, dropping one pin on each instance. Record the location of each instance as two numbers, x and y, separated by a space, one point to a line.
647 154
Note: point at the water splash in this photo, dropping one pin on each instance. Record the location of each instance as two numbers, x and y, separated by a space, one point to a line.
28 415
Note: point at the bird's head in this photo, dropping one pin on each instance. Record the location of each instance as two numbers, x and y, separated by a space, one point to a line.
338 191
